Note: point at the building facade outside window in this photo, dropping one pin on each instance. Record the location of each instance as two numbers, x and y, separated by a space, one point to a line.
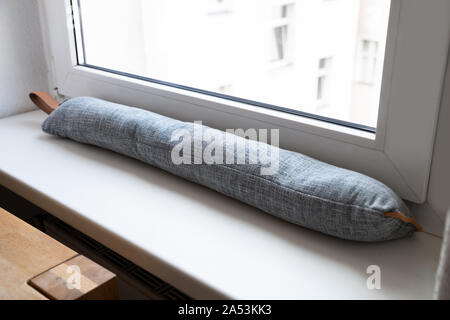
262 51
281 26
324 79
368 63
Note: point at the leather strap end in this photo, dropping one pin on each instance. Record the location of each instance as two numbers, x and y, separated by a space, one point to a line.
44 101
401 216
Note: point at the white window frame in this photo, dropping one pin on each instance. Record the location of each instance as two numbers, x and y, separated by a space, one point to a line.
398 155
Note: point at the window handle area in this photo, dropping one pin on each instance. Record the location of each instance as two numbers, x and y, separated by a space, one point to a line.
44 101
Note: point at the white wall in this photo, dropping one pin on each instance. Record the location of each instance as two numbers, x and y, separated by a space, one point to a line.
22 63
439 187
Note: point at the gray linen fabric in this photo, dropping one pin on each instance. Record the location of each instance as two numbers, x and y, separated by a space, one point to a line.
304 191
442 287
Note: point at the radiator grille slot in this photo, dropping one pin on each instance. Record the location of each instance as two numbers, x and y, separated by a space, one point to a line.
149 279
142 280
117 259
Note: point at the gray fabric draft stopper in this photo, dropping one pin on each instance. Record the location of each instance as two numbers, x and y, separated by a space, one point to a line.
301 190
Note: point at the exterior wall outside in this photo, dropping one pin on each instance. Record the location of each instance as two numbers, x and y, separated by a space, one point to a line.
228 46
365 98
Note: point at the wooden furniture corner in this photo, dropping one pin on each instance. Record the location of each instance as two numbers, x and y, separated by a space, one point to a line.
37 267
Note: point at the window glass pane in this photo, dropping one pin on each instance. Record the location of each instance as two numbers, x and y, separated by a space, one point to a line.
320 84
284 11
263 51
280 38
323 82
369 62
366 46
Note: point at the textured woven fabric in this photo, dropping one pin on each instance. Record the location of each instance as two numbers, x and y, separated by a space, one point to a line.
303 190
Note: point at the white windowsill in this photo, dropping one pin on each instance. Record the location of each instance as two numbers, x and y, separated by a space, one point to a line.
205 244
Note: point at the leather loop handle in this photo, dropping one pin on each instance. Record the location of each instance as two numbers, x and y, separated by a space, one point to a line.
44 101
401 216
